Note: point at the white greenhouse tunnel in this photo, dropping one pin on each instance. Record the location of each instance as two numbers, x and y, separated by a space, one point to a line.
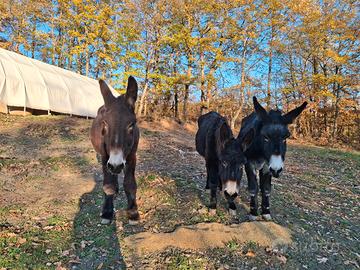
32 84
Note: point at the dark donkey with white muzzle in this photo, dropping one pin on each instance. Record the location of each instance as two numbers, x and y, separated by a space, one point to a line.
115 136
267 152
224 156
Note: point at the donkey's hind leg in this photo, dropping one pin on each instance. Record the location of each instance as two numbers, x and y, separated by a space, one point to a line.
130 188
253 190
207 177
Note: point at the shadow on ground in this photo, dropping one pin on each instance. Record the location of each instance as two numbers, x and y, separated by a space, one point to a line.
96 245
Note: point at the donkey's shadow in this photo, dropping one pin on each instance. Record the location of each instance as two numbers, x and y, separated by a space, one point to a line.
96 246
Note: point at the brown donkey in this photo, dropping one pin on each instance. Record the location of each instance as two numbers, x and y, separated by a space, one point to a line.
115 136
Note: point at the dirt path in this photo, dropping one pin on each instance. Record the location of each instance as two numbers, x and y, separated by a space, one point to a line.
203 236
50 201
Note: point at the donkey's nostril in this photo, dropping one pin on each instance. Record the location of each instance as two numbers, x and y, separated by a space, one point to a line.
116 169
121 166
275 173
110 166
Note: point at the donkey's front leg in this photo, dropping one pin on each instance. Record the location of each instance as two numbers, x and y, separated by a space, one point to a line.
110 188
130 189
265 187
213 176
253 190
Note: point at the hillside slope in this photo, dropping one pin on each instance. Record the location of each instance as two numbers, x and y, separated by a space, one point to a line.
51 197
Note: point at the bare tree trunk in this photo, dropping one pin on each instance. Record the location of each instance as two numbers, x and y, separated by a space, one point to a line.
87 61
53 43
146 85
187 89
143 97
209 87
186 97
203 96
268 97
176 103
33 38
176 86
145 109
242 89
62 57
337 99
79 66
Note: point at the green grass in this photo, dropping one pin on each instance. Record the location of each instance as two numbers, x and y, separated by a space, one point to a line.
232 245
182 262
56 220
6 210
329 153
4 162
56 163
33 248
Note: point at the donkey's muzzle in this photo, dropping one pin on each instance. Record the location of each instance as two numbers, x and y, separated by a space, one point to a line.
275 173
115 169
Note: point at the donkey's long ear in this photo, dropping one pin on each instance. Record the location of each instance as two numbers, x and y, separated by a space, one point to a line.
290 116
222 136
247 139
106 93
260 111
131 91
224 133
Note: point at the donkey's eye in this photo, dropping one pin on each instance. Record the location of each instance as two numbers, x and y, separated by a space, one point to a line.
130 127
104 128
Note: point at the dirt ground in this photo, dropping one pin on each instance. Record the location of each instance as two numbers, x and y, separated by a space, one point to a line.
51 198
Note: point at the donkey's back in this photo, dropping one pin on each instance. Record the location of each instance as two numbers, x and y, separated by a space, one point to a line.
205 136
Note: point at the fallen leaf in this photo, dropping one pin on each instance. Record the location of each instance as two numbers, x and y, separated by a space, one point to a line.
100 266
48 251
21 241
282 258
59 267
77 261
83 244
250 254
322 260
66 253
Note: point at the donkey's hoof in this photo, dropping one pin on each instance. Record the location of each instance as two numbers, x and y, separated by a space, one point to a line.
212 211
267 217
232 212
133 214
105 221
252 217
